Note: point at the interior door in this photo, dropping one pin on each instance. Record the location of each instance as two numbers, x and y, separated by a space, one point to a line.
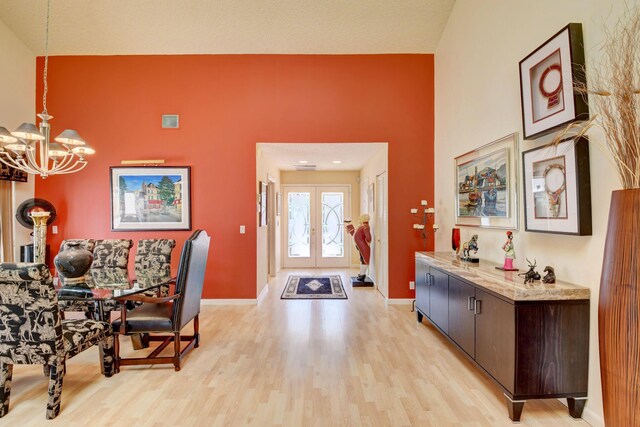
314 226
381 233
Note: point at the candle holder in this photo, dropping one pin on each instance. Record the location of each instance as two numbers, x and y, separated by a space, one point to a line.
422 226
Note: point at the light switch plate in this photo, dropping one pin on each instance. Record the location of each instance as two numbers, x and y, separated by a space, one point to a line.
242 229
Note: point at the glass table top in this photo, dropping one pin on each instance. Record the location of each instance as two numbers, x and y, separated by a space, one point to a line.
105 284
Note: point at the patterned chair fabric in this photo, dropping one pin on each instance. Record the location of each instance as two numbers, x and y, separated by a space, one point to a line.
33 332
153 264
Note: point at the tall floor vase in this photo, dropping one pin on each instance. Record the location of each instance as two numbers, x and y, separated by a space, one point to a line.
619 312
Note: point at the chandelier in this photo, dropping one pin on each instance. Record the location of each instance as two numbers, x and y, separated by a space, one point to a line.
29 149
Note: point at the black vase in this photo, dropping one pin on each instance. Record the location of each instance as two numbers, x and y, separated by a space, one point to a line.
73 263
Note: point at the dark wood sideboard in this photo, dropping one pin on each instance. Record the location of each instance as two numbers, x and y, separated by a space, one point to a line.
531 340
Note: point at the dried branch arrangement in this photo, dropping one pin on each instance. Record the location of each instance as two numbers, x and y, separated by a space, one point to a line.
613 89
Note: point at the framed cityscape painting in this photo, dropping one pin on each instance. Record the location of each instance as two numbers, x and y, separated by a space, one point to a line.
486 193
548 78
557 188
150 198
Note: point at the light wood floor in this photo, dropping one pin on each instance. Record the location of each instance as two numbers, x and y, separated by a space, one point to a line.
296 363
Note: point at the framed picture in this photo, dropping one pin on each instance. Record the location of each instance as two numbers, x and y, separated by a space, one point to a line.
150 198
548 77
557 188
7 173
262 203
486 192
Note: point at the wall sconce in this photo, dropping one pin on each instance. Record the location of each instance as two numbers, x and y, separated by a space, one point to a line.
423 225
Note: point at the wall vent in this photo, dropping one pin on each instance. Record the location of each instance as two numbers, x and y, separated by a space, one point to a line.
170 121
305 167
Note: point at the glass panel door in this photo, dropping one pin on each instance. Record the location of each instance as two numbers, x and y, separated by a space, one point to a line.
315 208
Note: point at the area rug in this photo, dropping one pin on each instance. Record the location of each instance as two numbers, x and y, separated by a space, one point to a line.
314 287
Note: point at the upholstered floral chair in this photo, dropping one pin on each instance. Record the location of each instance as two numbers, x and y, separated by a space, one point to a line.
32 331
153 264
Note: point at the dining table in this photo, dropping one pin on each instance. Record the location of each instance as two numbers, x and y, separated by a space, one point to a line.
99 288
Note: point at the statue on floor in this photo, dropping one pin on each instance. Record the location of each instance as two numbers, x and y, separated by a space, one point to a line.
362 240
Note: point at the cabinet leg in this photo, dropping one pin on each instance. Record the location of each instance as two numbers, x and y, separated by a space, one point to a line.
576 406
419 316
515 408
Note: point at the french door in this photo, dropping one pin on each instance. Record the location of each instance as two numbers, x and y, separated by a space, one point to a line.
314 226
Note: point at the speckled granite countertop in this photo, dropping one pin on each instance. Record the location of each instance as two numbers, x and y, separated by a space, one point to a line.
505 283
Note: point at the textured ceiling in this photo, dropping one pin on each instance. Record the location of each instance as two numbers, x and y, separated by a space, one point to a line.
125 27
285 156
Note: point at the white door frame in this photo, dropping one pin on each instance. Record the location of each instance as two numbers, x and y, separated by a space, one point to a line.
381 234
315 259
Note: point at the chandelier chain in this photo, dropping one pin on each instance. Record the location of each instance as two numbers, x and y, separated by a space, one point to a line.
46 60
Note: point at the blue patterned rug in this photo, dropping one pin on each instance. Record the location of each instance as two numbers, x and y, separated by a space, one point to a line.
318 287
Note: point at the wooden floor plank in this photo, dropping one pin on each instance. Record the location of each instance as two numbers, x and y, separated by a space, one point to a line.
355 362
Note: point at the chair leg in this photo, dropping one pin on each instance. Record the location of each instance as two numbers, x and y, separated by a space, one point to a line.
55 389
6 371
176 349
196 329
139 341
108 351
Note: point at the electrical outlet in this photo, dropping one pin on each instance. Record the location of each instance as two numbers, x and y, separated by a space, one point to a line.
412 285
242 229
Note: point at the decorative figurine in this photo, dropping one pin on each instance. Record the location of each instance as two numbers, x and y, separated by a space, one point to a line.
471 245
362 240
509 254
532 274
550 277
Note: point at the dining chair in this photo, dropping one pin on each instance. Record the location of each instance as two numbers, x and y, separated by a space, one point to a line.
152 266
33 332
110 269
169 315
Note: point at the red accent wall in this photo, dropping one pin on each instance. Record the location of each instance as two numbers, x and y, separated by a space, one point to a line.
228 103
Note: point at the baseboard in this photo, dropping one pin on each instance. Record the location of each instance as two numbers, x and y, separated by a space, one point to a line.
263 293
239 301
593 418
407 301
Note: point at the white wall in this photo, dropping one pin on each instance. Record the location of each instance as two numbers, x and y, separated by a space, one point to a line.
478 101
17 94
265 171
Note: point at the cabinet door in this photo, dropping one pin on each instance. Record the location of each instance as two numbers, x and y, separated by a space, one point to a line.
495 337
462 322
439 299
422 287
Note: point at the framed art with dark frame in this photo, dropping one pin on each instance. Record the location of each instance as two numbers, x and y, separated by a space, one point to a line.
548 77
262 204
150 198
557 188
486 190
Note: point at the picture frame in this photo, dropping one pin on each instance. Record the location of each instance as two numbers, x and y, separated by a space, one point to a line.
262 204
150 198
7 173
557 188
548 78
486 187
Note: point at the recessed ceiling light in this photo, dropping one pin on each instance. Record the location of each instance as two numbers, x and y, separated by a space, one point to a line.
304 162
337 162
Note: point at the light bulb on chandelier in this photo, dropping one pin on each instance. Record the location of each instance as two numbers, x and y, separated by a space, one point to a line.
29 149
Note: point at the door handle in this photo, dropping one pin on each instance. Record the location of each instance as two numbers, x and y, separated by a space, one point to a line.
471 303
477 306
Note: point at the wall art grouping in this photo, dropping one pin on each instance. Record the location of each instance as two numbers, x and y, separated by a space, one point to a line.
548 79
557 188
486 192
150 198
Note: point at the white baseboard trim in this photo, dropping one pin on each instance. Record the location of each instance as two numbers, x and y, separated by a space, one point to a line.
594 419
239 301
407 301
263 293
